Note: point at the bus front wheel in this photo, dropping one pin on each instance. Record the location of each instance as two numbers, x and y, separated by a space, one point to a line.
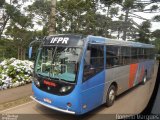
111 95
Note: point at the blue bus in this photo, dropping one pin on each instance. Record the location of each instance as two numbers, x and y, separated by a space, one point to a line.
75 74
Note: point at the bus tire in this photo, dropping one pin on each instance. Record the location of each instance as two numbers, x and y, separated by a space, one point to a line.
111 94
144 79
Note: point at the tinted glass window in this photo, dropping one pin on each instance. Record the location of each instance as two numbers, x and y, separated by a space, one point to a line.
126 53
112 56
94 61
134 55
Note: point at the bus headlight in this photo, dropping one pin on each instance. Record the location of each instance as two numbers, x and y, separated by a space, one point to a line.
65 89
36 82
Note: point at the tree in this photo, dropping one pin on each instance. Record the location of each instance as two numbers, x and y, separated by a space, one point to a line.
130 7
17 29
156 36
52 17
2 3
144 32
74 16
154 8
108 4
4 17
156 18
42 13
127 6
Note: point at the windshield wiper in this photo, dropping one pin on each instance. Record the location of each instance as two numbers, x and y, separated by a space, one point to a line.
42 75
65 81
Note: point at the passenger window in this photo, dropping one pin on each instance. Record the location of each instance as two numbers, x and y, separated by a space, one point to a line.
112 56
94 61
125 53
134 55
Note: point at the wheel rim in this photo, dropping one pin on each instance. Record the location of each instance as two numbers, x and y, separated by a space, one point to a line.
111 95
144 79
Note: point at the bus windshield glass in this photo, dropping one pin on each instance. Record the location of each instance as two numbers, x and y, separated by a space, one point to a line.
58 63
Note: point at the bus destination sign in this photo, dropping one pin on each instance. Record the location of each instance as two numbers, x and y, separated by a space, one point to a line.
63 40
60 40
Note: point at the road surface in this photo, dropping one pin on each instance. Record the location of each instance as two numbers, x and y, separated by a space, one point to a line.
131 102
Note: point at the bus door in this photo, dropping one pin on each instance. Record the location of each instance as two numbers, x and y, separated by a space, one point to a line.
93 77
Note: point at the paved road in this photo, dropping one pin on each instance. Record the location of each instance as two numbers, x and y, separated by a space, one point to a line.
130 102
15 93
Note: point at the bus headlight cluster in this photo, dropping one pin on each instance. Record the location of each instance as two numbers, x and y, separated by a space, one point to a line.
65 88
36 82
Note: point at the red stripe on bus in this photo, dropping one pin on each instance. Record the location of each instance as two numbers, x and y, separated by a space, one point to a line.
133 71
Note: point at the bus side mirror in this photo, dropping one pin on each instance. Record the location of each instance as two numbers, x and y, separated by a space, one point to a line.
30 52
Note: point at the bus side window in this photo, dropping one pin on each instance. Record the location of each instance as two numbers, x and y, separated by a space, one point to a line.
112 56
94 61
134 54
126 53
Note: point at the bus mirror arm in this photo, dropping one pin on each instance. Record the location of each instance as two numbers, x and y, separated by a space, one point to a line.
30 52
30 47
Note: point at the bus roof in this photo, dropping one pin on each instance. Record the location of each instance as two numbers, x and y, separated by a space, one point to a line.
108 41
76 40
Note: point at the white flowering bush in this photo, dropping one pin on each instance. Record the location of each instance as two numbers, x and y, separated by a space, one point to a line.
15 73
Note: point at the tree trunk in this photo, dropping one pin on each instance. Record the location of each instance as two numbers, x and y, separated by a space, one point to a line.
108 10
24 54
52 23
125 25
18 52
21 53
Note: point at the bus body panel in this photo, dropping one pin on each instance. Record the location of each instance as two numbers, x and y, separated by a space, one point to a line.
127 76
92 92
60 101
150 68
93 88
121 76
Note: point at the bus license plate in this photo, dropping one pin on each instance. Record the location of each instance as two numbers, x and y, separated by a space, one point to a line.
47 100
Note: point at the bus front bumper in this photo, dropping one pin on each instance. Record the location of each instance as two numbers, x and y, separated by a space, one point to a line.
52 107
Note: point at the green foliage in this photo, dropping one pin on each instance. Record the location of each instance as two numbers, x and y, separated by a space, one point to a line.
79 16
14 73
156 42
154 7
144 32
7 49
110 2
17 17
156 33
146 25
72 16
41 8
2 2
17 30
140 6
156 18
128 4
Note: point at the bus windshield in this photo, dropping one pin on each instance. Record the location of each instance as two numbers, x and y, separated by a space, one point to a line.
58 63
